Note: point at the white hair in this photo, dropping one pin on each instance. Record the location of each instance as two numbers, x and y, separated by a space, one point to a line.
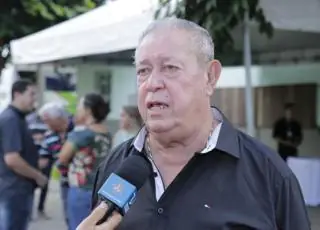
53 110
202 41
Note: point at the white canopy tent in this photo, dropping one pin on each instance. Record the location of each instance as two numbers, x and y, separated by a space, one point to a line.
113 27
298 15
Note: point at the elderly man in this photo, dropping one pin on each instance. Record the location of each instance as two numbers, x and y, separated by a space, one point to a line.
57 119
208 174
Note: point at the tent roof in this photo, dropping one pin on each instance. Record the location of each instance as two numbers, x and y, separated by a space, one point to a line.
112 27
300 15
117 26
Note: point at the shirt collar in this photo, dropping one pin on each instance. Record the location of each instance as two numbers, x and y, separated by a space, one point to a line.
224 137
228 140
18 111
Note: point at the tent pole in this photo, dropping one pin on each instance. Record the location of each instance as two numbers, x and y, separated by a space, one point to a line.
41 83
249 102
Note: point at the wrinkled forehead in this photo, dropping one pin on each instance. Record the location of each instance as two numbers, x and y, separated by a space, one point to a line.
166 43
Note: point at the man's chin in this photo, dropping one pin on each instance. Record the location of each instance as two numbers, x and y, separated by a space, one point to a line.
159 126
28 111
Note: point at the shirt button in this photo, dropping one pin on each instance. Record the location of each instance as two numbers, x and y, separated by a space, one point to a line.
160 210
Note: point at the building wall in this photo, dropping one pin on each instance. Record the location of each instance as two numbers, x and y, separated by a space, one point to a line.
271 75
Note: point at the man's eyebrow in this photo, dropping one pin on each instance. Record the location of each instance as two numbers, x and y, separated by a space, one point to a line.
142 62
161 58
172 60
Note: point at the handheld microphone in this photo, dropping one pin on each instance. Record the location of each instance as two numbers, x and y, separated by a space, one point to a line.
120 189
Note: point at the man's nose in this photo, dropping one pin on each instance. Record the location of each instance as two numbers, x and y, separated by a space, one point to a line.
155 82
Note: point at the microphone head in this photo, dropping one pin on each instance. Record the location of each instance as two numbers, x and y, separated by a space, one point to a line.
119 190
135 170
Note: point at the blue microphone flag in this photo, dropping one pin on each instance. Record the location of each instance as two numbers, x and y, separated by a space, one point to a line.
118 191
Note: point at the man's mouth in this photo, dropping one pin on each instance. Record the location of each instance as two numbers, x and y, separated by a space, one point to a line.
153 105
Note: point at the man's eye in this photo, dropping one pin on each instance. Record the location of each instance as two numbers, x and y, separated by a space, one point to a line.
143 72
170 68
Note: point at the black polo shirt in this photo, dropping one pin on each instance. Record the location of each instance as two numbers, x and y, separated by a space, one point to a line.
15 136
240 184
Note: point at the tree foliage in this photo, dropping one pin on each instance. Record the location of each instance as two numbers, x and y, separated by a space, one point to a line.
220 17
19 18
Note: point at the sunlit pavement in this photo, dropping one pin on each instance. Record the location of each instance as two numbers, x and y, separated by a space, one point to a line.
54 210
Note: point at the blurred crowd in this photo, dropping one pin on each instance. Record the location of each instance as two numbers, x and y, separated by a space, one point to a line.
72 144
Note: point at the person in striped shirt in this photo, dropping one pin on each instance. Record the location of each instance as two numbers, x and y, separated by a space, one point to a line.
59 123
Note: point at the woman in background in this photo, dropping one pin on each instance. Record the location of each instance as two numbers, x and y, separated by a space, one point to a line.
85 148
130 124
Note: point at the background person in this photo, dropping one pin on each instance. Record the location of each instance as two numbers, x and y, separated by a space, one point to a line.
84 150
38 130
288 133
19 174
130 124
55 116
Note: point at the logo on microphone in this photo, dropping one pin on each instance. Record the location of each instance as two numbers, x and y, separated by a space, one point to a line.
117 188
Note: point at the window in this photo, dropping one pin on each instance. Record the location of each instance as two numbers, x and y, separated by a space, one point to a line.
103 84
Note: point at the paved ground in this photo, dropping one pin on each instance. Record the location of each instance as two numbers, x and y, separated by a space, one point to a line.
314 214
55 211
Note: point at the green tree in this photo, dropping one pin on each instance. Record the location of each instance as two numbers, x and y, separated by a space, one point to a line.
19 18
220 17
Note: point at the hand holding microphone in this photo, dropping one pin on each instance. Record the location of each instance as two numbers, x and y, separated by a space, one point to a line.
90 223
117 194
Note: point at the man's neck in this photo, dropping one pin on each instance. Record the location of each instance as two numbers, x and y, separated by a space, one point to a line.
183 148
64 128
288 119
17 106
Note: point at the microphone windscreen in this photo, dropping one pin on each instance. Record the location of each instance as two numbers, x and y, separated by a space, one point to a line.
135 170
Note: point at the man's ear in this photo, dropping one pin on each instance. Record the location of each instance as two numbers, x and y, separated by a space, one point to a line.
214 71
